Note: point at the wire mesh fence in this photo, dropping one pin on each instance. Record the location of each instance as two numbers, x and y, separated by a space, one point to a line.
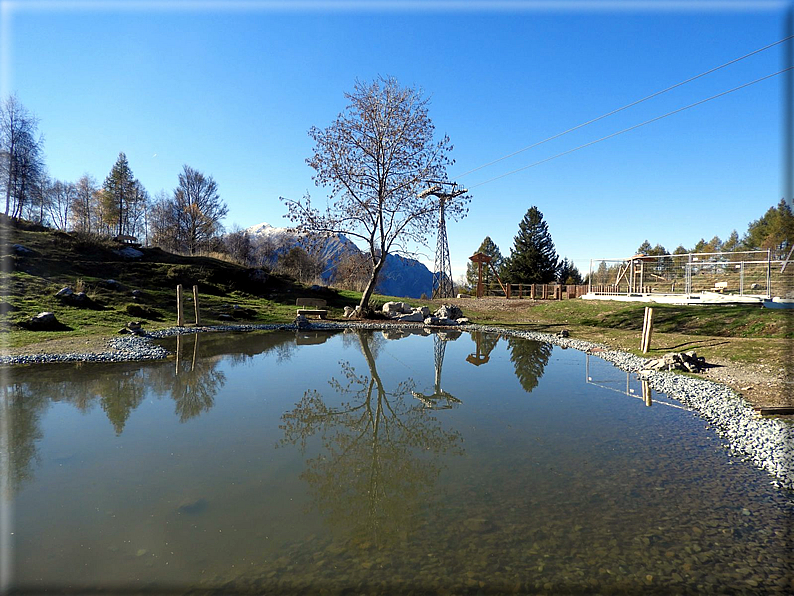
746 273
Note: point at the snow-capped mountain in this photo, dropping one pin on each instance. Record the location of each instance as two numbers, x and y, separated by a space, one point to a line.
400 276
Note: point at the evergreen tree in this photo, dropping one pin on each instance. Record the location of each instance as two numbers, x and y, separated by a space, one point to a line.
488 247
120 193
568 273
774 230
533 258
644 249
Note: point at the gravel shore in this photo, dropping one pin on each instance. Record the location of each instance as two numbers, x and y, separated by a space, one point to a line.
767 442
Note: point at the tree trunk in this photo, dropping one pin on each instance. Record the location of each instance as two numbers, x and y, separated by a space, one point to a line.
373 281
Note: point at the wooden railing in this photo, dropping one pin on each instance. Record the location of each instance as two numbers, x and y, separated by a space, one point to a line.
541 291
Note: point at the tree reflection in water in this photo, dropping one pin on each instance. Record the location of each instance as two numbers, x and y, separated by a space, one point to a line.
529 359
381 451
195 383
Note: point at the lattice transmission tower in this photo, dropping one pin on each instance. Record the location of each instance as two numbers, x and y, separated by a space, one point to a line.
442 270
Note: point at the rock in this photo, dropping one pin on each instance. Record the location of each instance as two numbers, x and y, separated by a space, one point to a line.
44 321
414 317
129 253
192 506
111 284
478 524
449 311
64 293
239 312
225 317
431 321
396 308
302 322
22 251
349 312
563 333
137 294
462 321
424 310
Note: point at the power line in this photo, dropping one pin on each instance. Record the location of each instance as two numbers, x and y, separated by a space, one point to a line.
614 134
632 104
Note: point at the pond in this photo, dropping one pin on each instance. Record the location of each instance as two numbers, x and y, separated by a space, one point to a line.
375 462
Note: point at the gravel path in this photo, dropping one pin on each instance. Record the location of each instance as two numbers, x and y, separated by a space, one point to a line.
767 442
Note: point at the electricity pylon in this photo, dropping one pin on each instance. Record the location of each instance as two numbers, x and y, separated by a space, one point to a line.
442 270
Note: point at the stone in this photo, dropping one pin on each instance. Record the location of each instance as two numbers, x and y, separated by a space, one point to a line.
129 253
137 294
449 311
414 317
112 284
396 308
424 310
64 293
44 321
349 311
462 321
478 524
564 333
431 321
302 322
225 317
22 250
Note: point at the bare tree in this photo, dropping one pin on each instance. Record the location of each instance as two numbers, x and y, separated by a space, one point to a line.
376 156
62 196
21 162
198 209
239 245
83 207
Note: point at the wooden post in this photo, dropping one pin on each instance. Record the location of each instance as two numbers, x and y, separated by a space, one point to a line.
520 290
509 288
647 328
180 313
532 291
196 305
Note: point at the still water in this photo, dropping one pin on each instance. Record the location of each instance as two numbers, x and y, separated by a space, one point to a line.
367 462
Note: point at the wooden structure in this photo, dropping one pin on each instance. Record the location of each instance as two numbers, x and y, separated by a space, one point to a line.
481 258
317 307
634 272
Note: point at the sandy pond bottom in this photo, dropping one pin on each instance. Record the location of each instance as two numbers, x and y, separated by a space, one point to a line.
354 463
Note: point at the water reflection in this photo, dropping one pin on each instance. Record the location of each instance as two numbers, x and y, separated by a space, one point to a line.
439 399
529 359
612 377
380 452
485 343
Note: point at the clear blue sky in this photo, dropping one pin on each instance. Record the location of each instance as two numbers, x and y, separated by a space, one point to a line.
231 89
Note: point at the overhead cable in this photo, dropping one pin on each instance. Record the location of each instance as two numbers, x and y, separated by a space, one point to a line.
632 104
620 132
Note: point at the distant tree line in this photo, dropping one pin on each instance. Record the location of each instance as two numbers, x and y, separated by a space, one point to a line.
187 219
774 231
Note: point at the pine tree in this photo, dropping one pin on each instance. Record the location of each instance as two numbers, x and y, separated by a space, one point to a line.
488 247
568 273
120 192
533 258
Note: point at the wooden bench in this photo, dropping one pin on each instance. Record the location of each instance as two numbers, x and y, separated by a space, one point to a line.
720 286
316 305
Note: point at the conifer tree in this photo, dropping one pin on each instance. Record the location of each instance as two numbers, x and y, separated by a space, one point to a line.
533 258
119 192
488 247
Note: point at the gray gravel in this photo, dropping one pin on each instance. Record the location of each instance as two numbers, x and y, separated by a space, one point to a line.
766 442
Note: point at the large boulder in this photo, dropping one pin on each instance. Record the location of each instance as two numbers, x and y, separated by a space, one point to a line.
45 321
449 311
413 317
396 308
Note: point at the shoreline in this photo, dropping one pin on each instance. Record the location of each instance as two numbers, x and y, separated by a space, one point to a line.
766 442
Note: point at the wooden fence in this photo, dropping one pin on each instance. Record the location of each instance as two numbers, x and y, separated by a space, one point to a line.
541 291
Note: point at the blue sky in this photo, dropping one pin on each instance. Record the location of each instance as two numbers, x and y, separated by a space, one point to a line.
231 89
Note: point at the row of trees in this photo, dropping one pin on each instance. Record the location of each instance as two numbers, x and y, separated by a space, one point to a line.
533 258
774 231
186 220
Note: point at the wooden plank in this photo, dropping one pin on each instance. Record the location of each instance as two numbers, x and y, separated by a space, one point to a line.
180 313
774 410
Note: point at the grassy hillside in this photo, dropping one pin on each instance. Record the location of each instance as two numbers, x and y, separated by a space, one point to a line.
30 282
